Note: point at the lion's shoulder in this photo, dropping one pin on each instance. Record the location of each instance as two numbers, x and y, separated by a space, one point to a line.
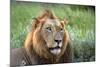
19 57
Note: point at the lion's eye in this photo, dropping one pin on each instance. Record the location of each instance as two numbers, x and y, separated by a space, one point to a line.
48 29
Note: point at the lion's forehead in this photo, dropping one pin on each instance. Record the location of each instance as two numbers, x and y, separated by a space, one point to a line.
53 22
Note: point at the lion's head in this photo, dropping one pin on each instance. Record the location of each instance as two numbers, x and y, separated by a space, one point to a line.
48 36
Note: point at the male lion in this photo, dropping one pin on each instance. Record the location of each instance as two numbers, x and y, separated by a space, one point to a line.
47 43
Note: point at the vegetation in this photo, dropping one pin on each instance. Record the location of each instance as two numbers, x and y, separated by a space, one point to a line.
81 25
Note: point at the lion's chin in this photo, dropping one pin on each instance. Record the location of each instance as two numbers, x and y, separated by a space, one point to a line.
55 51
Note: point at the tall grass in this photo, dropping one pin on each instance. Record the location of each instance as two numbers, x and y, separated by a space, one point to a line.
81 25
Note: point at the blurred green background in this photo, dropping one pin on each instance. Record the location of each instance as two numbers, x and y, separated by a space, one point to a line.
81 25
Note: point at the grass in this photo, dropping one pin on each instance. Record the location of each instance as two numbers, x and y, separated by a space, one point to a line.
81 25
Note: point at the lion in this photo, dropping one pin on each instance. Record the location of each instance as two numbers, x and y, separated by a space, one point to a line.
47 43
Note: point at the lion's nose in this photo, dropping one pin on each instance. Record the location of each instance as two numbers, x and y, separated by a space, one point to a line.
58 41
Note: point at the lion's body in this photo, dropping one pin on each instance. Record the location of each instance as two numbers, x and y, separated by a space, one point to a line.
19 57
47 43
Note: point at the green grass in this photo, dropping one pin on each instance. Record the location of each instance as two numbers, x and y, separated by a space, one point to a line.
81 25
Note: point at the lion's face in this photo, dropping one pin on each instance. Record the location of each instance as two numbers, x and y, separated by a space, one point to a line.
48 37
53 33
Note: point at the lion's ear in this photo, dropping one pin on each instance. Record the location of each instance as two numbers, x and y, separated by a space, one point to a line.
35 23
64 22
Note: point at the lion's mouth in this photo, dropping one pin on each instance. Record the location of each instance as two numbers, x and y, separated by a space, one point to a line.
52 48
55 50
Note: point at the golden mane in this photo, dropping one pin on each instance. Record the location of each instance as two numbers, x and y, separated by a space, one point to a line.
35 42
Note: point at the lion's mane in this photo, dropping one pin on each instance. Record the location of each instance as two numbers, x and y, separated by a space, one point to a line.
35 42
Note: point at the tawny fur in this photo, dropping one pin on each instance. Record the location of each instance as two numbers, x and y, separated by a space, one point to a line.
37 40
34 43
